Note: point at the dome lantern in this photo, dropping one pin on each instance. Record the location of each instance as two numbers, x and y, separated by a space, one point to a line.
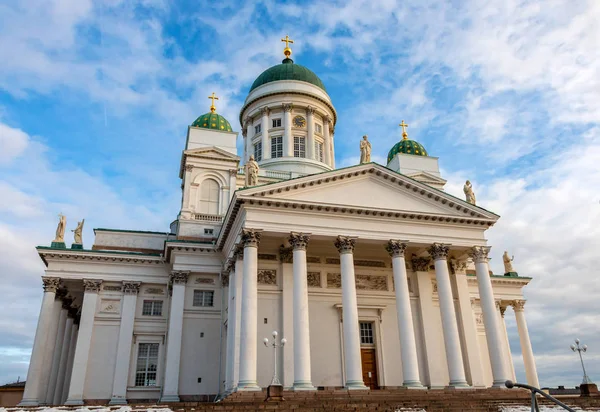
406 146
212 120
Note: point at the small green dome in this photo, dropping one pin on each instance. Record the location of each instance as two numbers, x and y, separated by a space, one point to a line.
213 121
287 70
407 146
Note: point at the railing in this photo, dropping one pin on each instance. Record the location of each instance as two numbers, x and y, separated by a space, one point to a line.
534 405
273 174
207 218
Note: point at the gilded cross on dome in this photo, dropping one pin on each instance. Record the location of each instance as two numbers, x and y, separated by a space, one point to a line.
404 126
212 105
287 51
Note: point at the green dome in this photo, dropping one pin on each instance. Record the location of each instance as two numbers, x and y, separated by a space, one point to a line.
287 70
212 121
407 146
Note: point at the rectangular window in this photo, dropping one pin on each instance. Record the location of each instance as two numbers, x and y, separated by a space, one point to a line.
299 146
203 298
147 364
277 146
152 308
209 231
257 129
258 151
319 151
366 333
318 128
276 122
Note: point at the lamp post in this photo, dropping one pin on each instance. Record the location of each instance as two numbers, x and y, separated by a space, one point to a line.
275 346
577 348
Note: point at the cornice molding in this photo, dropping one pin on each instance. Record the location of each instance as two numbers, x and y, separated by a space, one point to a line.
97 257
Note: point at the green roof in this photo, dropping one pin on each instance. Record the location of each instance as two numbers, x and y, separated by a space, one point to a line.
287 70
407 146
213 121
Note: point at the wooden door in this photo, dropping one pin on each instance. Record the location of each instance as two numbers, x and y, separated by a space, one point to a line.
369 367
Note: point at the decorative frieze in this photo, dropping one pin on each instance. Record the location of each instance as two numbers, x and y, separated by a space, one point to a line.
112 288
250 237
131 288
313 279
179 277
266 256
299 241
334 280
267 277
479 254
50 284
286 254
438 251
91 285
313 259
205 281
189 168
111 306
155 291
371 282
479 319
332 261
345 244
434 288
369 263
420 264
396 248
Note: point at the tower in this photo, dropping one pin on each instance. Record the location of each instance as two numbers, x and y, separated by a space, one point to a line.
288 120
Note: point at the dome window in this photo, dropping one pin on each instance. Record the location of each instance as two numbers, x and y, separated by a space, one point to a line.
276 147
299 146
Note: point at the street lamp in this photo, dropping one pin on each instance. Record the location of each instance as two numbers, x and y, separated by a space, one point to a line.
577 348
275 346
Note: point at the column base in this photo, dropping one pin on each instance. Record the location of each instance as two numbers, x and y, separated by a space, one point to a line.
74 402
29 402
413 385
248 386
169 398
459 385
117 401
499 384
356 385
303 386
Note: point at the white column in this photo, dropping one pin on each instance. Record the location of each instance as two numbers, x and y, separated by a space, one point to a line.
72 347
239 268
406 330
490 318
84 341
119 391
288 139
232 187
332 139
266 147
310 128
528 359
287 313
173 358
456 370
471 351
302 372
248 147
55 356
64 356
508 360
49 353
187 189
352 359
33 390
248 330
230 348
326 140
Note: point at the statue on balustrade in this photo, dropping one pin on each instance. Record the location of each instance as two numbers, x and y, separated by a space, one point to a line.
365 150
60 229
251 172
470 195
508 267
77 232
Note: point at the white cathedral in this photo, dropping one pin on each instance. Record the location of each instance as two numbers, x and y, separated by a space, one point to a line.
376 277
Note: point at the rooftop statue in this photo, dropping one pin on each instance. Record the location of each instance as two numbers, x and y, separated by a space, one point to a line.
77 232
365 150
508 267
468 189
251 172
60 229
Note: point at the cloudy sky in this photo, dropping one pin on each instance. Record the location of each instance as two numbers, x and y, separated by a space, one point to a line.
95 98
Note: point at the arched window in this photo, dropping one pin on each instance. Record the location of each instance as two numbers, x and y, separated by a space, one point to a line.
209 197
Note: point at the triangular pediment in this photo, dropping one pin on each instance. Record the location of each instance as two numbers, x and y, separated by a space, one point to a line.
369 187
213 152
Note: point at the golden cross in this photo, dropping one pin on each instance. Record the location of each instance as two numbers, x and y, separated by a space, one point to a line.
212 105
404 126
287 40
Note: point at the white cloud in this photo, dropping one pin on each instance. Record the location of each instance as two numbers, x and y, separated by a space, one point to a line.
13 142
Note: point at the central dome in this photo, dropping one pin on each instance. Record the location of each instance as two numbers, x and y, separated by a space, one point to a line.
288 70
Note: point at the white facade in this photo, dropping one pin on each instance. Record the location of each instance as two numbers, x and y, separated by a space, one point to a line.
181 315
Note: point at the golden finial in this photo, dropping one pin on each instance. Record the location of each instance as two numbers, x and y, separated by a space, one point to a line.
212 104
287 51
404 126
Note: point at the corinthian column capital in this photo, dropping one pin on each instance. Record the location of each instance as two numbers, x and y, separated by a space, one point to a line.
299 241
459 267
396 248
91 285
420 264
131 288
179 277
264 111
50 284
518 305
345 244
438 251
480 253
287 107
250 237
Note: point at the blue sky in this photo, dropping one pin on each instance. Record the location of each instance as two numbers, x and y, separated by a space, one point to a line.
95 98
